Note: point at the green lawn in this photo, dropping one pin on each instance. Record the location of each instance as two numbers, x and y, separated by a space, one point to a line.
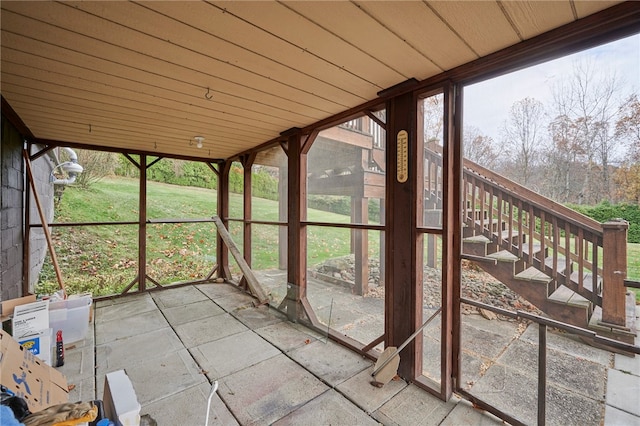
103 259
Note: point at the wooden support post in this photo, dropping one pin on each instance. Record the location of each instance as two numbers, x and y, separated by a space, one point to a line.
283 179
403 307
222 253
297 240
360 243
142 226
614 261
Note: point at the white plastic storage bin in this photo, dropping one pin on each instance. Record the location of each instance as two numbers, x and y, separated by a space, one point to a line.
72 317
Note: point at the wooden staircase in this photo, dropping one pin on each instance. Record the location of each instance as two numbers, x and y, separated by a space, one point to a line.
568 265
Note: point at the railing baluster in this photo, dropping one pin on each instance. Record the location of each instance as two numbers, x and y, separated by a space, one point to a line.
567 245
554 241
543 233
520 230
532 229
580 242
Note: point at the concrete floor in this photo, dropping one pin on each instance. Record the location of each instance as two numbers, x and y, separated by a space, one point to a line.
173 344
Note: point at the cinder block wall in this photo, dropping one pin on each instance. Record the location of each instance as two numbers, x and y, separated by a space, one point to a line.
12 213
41 168
11 216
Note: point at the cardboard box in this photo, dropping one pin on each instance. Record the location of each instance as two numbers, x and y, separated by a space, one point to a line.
39 345
29 377
7 307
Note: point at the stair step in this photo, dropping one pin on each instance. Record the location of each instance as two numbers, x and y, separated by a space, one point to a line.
536 248
567 297
504 256
562 264
587 282
477 239
532 274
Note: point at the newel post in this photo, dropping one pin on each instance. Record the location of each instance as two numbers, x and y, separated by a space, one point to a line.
614 271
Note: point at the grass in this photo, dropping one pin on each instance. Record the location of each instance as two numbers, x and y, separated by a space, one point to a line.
633 266
103 259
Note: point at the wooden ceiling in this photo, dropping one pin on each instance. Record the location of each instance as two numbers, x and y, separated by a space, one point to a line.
149 76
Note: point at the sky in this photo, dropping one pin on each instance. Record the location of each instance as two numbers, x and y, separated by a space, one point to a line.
487 103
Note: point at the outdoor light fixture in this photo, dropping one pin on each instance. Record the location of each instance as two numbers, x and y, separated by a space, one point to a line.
71 168
199 140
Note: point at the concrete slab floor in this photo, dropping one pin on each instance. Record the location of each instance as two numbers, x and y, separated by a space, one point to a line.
272 371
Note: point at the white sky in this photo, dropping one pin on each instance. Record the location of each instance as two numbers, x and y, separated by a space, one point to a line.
487 103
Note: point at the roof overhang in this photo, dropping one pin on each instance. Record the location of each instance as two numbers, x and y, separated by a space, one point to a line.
150 76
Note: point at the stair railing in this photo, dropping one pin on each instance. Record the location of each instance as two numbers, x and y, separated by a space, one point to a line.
574 250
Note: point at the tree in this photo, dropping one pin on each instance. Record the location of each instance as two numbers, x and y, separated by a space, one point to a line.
587 101
627 177
479 148
95 164
522 134
628 126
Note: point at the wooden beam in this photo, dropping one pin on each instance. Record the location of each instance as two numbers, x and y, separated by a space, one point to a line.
403 301
252 281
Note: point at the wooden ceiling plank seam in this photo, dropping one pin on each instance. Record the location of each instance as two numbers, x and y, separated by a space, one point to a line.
396 35
168 103
154 109
364 68
97 135
574 10
225 71
470 19
343 39
254 39
126 149
419 25
102 64
121 34
127 116
451 28
586 8
282 73
45 107
536 17
253 52
180 97
150 129
368 35
49 65
507 16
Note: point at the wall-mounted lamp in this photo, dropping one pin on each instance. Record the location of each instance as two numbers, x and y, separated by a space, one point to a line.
199 140
71 168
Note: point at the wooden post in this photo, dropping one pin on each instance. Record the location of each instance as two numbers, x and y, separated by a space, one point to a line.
360 244
614 261
222 253
142 226
403 292
297 239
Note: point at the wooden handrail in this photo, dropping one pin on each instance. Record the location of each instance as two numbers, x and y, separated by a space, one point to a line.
558 241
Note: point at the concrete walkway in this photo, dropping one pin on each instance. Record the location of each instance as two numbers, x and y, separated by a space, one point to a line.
173 344
623 389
